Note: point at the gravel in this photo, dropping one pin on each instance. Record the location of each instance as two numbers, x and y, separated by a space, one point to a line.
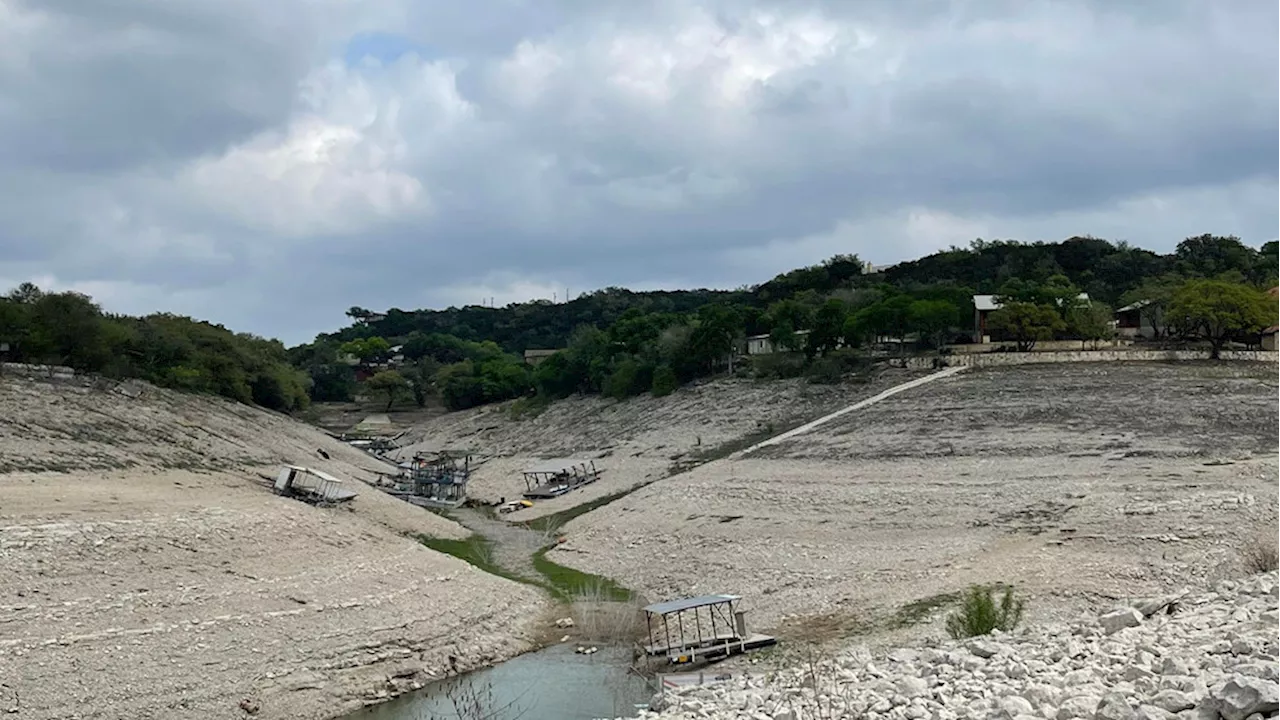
1211 655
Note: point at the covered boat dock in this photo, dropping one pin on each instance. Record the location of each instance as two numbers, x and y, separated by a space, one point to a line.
553 478
700 629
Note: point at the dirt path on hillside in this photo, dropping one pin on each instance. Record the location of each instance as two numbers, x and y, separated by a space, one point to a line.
809 426
513 544
1076 483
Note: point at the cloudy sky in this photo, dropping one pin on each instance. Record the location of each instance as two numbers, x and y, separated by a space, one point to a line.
269 164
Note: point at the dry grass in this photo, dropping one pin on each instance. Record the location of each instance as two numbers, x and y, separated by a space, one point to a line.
1261 553
601 617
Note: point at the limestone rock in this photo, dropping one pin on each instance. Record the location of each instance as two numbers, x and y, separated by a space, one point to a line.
1243 696
1114 706
1118 620
984 648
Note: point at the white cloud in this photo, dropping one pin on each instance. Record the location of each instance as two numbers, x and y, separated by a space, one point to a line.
197 145
316 179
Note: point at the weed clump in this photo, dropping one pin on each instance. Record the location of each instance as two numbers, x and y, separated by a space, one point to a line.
980 613
1260 554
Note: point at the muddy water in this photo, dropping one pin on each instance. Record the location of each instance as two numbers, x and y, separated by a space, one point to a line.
552 684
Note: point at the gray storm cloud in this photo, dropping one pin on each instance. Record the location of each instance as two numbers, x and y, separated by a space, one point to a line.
237 162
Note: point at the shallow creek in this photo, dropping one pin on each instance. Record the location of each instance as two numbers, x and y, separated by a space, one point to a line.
554 683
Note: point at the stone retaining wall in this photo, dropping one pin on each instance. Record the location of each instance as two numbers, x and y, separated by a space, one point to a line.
1107 355
56 372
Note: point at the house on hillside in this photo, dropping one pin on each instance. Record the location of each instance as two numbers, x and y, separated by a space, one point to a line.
533 357
869 268
763 344
1269 337
984 305
1132 322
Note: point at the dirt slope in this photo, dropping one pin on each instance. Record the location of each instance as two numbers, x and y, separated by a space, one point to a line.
147 572
635 440
1075 482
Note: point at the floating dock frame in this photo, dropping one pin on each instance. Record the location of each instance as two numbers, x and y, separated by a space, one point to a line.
554 478
308 485
679 632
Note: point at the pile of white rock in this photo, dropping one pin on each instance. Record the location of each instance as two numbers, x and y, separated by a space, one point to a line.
1203 656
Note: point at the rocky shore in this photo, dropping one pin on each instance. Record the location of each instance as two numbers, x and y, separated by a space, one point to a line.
1206 655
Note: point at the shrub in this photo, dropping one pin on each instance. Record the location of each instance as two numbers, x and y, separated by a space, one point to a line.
628 378
979 613
665 381
778 366
1261 554
834 366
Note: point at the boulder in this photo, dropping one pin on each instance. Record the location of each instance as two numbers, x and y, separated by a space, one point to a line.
1013 706
1114 706
1118 620
1079 706
984 648
1243 696
1173 701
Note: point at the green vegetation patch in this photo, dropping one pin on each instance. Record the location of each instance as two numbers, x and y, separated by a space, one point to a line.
562 582
569 584
476 550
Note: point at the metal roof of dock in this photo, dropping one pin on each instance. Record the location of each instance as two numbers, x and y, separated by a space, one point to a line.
670 606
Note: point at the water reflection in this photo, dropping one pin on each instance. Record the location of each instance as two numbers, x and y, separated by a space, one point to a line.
551 684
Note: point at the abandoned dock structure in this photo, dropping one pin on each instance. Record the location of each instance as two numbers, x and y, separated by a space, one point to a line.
308 485
699 629
436 479
553 478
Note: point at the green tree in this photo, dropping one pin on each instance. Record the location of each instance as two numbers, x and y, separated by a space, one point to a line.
1062 294
1026 323
553 377
25 294
69 328
421 376
785 318
1208 256
933 320
390 383
828 327
459 386
887 318
714 336
1092 322
1216 310
629 377
665 381
366 350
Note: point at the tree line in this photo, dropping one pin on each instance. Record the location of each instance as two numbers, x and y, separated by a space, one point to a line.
68 328
620 343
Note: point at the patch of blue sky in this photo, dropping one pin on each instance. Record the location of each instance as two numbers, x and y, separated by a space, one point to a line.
381 47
